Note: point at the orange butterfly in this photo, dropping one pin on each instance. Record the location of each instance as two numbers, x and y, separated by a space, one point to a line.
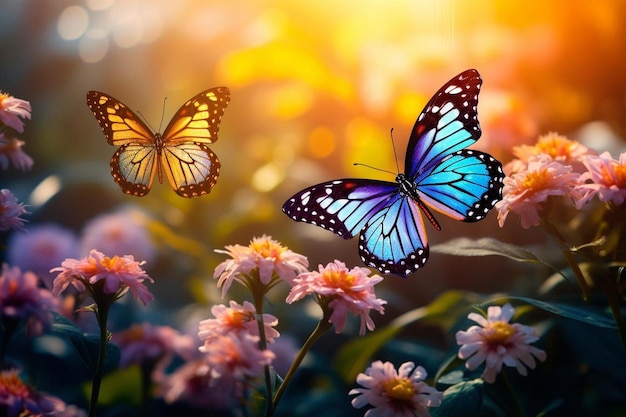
181 151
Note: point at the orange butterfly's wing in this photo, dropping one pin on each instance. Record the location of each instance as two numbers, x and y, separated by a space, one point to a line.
132 165
191 167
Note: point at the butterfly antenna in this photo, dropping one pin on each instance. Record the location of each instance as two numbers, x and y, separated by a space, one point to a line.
145 120
162 114
358 164
395 154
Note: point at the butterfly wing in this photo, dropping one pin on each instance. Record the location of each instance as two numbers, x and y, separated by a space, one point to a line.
463 184
190 165
447 124
132 165
342 206
394 239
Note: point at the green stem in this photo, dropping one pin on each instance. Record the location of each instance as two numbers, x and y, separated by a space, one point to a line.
322 326
580 278
258 305
102 315
613 296
518 404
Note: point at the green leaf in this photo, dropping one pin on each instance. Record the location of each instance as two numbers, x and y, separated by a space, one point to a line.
485 247
463 399
581 312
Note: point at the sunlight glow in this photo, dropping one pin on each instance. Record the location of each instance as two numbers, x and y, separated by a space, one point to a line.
72 23
45 190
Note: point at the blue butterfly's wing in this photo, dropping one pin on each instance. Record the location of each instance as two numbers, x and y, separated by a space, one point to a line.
342 206
461 183
464 186
447 124
394 239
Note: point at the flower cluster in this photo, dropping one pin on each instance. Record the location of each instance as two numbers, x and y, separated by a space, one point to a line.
18 399
558 167
12 111
231 360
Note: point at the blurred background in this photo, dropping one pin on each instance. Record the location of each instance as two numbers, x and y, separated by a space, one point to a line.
316 86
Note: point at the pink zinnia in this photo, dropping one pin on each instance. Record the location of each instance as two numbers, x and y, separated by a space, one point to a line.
401 393
236 356
348 290
557 147
495 342
21 298
12 109
606 178
264 254
526 192
11 151
119 274
10 211
239 319
146 342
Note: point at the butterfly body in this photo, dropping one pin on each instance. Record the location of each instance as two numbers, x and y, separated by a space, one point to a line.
440 176
181 150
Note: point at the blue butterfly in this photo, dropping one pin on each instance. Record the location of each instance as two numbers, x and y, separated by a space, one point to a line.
440 175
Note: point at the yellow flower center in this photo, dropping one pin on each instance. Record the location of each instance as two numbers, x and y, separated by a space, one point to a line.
498 332
339 279
10 382
399 389
267 248
617 177
3 96
236 319
556 146
110 263
536 181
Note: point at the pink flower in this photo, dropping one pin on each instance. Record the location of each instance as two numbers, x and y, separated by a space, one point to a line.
264 255
194 383
42 247
118 274
526 192
12 109
143 343
497 342
21 298
345 290
236 356
556 147
18 399
10 211
606 178
401 393
122 233
241 319
11 151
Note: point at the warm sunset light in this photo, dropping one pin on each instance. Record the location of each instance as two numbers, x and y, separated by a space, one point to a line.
291 208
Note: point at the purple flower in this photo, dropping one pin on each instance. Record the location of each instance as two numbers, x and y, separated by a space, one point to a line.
10 211
122 233
12 110
18 399
11 151
41 248
21 298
